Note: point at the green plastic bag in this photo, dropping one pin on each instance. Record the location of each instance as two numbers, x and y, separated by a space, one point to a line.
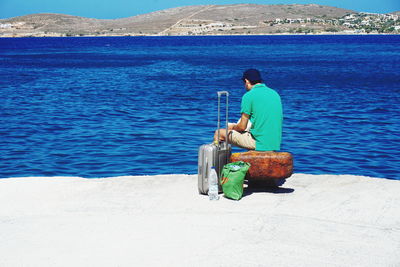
232 179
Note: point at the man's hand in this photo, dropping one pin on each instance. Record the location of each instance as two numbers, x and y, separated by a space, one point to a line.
231 126
242 125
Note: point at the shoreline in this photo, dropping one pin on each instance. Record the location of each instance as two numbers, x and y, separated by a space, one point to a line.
208 35
312 220
182 174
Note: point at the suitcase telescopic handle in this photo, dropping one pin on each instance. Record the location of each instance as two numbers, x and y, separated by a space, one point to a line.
220 93
223 93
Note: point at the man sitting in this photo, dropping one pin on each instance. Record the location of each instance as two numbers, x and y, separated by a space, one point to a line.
263 108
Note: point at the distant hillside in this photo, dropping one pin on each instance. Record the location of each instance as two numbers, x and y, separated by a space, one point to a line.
55 23
189 20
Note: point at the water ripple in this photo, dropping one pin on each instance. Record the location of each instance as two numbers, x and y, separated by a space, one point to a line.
76 106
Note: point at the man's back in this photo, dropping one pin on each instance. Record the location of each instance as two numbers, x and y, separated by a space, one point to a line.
265 109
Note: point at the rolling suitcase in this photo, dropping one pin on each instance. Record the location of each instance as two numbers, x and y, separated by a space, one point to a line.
214 155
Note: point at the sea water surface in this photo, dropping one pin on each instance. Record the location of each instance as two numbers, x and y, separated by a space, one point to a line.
101 107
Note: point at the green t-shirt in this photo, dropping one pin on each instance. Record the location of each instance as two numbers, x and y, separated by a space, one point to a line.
265 109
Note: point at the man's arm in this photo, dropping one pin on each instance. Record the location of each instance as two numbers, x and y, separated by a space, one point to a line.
242 125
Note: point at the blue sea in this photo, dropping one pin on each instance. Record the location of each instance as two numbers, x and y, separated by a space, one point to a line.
115 106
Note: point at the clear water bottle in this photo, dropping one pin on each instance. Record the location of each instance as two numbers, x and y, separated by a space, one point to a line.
213 185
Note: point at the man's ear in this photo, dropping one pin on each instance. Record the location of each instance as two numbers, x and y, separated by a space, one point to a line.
248 84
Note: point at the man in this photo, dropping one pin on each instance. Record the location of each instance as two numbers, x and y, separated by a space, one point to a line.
263 108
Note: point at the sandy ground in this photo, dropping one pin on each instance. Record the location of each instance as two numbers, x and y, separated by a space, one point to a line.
313 220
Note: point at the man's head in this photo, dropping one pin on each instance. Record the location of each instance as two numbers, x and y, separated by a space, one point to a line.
251 77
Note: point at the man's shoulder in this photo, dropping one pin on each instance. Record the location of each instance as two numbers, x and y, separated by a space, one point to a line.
247 95
270 90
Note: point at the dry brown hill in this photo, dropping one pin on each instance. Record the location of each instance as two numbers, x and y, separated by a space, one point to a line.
57 23
206 19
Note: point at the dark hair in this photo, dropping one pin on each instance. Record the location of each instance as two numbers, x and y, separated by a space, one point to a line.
255 82
253 76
